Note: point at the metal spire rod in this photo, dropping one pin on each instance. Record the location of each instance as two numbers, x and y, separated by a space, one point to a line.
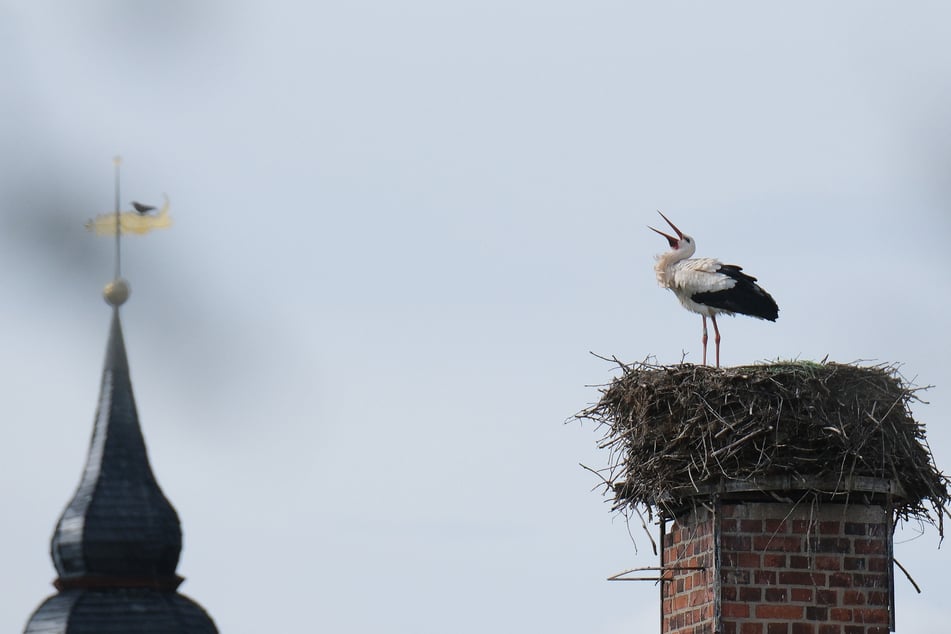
117 161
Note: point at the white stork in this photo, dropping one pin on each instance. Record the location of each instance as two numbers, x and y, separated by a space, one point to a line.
708 287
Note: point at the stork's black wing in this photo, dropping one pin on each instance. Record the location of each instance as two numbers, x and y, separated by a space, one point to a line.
746 297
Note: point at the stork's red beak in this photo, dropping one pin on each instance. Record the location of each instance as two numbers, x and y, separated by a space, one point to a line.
671 239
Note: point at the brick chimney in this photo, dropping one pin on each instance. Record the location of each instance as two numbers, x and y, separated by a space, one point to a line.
768 567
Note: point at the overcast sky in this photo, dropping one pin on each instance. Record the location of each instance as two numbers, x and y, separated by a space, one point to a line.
401 227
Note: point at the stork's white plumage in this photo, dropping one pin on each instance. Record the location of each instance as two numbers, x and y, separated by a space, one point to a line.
708 287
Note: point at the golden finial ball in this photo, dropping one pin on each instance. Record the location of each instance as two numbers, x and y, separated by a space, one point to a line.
116 292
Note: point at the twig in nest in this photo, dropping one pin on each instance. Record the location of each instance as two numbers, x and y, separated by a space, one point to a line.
739 442
907 574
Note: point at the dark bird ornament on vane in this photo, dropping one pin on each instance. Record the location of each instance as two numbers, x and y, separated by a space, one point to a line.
143 209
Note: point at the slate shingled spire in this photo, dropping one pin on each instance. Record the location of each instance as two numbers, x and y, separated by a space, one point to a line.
119 524
117 544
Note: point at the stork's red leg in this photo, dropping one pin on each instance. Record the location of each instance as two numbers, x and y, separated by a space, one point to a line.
716 337
704 339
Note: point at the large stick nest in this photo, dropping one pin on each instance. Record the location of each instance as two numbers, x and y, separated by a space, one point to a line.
676 433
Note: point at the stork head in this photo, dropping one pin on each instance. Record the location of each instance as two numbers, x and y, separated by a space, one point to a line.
682 243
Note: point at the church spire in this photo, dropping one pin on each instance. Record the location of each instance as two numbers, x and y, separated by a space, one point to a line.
119 529
116 545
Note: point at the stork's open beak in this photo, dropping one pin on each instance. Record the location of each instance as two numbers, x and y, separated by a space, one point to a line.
671 239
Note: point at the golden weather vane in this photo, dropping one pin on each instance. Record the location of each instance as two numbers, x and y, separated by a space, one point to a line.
138 220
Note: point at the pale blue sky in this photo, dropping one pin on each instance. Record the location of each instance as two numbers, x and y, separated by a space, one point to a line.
400 229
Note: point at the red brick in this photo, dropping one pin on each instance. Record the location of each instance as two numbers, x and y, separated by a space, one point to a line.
828 562
801 562
877 630
790 544
871 615
748 560
803 578
878 564
771 560
700 577
736 610
840 580
854 629
738 543
853 597
802 526
870 581
827 597
690 617
751 526
803 628
877 598
777 628
776 595
769 611
801 594
868 530
701 596
698 597
775 526
739 577
854 563
751 593
829 528
869 546
830 629
751 628
842 615
830 545
765 577
814 613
